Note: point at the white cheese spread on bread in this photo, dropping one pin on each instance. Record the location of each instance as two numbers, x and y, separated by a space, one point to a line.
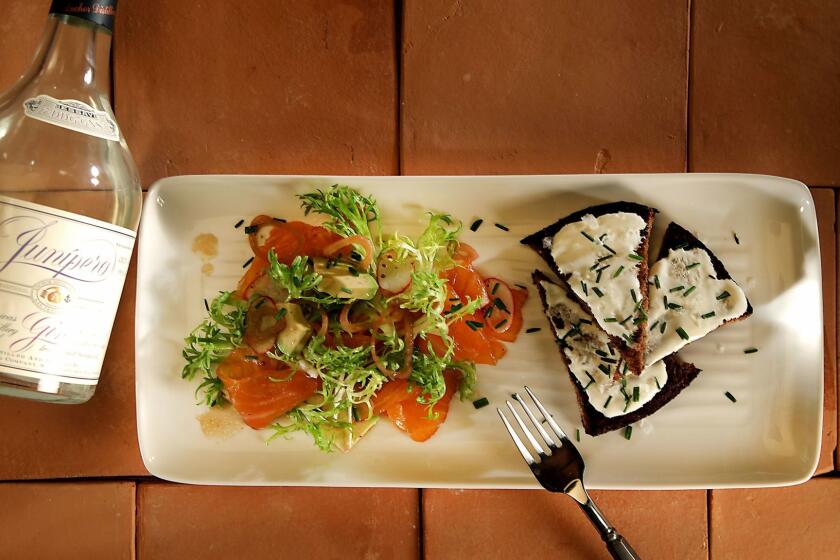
594 362
687 301
600 255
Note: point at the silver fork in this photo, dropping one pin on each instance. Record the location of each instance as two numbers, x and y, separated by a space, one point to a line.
560 469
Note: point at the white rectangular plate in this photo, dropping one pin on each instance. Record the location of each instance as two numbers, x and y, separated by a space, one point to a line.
769 437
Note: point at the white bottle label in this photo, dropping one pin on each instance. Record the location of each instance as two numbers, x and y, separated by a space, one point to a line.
72 114
61 276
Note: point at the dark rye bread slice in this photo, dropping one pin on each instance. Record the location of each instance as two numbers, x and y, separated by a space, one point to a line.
540 242
677 237
680 375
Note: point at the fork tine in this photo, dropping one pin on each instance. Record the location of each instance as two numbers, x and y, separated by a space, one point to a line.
537 423
554 426
521 446
525 430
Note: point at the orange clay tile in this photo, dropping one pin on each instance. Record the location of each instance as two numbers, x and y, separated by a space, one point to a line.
825 206
20 31
91 520
795 522
543 87
764 89
98 438
257 87
178 522
503 524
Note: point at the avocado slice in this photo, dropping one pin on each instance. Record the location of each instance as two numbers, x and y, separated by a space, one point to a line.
297 331
342 281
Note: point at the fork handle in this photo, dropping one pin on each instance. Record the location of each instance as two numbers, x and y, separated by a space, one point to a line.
619 548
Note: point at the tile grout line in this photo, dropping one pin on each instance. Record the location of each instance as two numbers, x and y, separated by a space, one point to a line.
708 524
421 548
398 72
688 36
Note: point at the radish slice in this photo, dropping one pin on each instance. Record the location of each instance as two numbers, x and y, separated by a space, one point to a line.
262 326
501 305
393 275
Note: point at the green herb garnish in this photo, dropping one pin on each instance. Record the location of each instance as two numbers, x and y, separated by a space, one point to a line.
689 290
707 315
751 350
682 333
723 295
481 403
476 224
730 396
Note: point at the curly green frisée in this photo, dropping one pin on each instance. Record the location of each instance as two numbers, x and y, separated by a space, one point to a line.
336 325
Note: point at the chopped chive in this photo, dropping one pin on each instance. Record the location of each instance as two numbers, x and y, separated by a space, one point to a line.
626 405
502 227
598 276
591 379
623 391
607 403
689 290
723 295
355 256
259 303
353 271
249 261
521 287
656 282
488 311
577 434
618 271
604 258
207 307
610 348
608 248
707 315
280 314
665 301
611 320
676 289
658 386
280 220
455 308
730 397
608 360
584 288
499 304
634 296
628 338
654 325
495 288
628 432
476 224
682 333
346 290
601 237
735 236
598 292
589 237
624 369
474 325
604 368
238 224
594 266
692 265
533 330
625 319
251 229
500 324
662 327
585 387
636 393
481 403
601 353
751 350
674 306
635 257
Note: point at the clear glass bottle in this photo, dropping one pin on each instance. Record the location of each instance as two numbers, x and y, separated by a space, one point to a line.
70 199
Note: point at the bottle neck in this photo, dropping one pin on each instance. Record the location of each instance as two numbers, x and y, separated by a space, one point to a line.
74 54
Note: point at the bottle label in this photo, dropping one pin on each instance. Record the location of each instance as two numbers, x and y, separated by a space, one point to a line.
61 276
101 12
72 114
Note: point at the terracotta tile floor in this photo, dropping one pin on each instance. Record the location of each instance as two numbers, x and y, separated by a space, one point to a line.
373 87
